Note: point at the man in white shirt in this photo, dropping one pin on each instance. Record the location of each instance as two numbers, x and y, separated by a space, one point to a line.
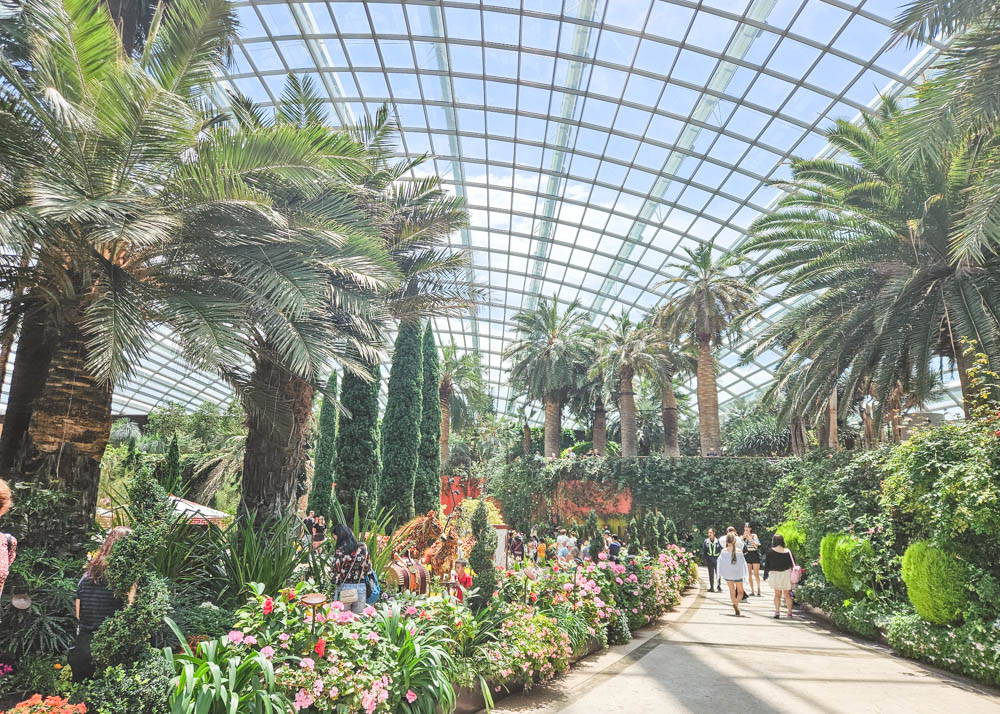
562 539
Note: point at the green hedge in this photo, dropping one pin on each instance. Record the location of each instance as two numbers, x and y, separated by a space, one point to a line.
973 649
936 583
694 493
842 558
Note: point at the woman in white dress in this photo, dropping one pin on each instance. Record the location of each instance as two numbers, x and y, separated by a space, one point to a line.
731 568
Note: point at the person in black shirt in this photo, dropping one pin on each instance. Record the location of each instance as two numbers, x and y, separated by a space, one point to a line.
319 532
614 548
710 549
95 603
778 573
308 523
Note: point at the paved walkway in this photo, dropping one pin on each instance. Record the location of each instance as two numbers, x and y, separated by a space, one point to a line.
705 659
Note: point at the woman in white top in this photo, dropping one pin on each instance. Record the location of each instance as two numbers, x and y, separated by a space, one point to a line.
731 568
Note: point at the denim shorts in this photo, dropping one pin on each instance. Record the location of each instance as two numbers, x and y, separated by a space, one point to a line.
360 604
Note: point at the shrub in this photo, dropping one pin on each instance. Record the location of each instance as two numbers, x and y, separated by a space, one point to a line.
795 539
973 649
138 688
401 423
427 484
359 459
325 455
124 637
481 557
841 559
935 583
618 632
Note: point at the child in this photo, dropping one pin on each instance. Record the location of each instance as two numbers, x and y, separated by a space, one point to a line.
463 578
541 551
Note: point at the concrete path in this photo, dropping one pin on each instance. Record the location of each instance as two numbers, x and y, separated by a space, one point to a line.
705 659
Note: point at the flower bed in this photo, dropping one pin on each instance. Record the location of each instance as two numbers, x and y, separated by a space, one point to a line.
415 654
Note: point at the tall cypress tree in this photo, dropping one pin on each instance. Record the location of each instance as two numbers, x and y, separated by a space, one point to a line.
427 486
359 461
401 423
321 495
170 471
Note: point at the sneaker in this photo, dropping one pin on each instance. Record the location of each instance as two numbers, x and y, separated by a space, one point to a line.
777 616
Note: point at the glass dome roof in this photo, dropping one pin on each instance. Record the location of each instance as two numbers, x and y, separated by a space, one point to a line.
592 139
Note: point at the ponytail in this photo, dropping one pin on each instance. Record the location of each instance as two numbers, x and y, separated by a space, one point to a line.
730 538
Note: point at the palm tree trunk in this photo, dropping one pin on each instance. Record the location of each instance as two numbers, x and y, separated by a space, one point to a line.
553 427
600 427
671 445
708 401
798 436
275 458
31 367
832 416
69 422
526 438
626 406
445 431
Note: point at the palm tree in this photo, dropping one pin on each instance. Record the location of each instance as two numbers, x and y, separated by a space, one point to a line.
386 257
863 247
109 189
463 393
587 403
628 350
958 104
545 357
710 299
675 361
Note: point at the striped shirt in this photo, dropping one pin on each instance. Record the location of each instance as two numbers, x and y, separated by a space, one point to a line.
97 603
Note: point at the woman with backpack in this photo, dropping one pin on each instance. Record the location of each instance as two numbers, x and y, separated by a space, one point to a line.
778 573
731 566
349 568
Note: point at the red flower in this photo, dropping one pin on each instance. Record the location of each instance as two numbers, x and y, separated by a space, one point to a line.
320 647
997 432
533 597
268 606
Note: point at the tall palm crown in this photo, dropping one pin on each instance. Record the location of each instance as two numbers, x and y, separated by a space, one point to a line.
545 357
626 351
116 203
864 244
960 98
709 299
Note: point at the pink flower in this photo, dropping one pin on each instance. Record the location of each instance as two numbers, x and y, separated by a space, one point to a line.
303 699
250 640
635 611
411 610
337 605
411 696
368 611
267 651
373 637
307 663
353 635
268 606
235 636
284 637
568 587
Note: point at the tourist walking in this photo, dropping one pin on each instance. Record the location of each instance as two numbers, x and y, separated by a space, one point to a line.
349 568
778 573
95 603
8 543
614 548
730 530
308 524
732 567
710 549
319 532
751 551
